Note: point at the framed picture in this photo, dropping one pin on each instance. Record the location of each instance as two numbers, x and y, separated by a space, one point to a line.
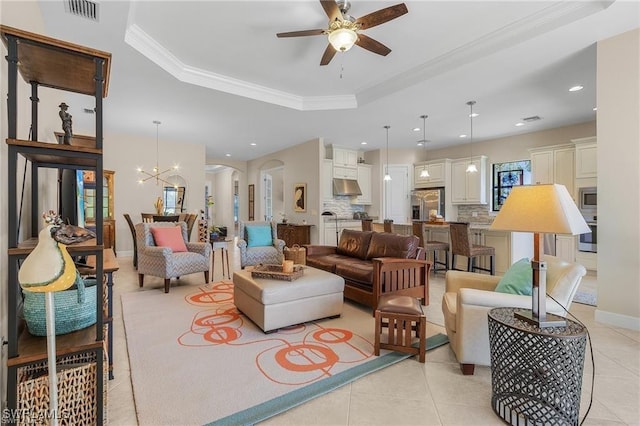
252 202
300 197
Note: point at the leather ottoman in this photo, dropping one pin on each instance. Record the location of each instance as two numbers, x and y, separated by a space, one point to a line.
272 304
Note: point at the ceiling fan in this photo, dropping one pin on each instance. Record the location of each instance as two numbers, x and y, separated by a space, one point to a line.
343 31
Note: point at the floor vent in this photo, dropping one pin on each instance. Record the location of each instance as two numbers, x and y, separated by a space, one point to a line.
532 118
83 8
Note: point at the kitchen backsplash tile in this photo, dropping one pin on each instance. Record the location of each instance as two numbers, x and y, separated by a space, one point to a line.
341 206
465 214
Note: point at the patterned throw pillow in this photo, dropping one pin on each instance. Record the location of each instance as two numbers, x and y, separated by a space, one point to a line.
518 279
259 236
170 236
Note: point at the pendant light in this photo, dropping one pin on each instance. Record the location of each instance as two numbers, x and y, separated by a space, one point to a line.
424 173
387 176
156 173
471 168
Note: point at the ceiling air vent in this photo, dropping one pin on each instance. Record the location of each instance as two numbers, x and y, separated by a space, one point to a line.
83 8
531 119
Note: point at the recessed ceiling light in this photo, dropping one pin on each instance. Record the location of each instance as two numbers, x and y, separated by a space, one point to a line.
595 108
520 124
416 129
363 143
576 88
463 136
227 155
253 144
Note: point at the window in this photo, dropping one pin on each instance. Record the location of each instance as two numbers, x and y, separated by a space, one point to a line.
506 176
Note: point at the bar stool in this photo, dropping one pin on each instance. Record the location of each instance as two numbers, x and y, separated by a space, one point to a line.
388 225
462 244
366 224
435 247
401 315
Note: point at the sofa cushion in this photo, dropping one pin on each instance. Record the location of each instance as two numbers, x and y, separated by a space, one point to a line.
326 262
384 244
354 243
356 270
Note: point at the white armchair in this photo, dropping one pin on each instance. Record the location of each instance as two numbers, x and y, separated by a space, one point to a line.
251 254
469 297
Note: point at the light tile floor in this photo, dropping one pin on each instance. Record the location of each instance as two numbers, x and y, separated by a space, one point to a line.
410 393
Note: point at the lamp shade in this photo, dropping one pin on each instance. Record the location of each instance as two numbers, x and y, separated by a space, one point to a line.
342 39
541 209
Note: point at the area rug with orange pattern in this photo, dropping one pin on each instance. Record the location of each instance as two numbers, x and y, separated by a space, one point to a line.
195 359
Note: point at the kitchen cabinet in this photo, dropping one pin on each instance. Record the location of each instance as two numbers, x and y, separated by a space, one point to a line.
330 229
586 157
555 164
344 157
38 60
364 181
345 173
469 188
566 247
294 234
437 174
327 180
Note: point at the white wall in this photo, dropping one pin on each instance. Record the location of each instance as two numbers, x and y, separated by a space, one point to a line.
124 154
618 94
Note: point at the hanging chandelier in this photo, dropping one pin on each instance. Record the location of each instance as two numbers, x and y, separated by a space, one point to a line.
387 176
424 173
156 170
471 168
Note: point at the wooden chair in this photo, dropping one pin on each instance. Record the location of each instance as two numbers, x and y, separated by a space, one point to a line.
167 218
366 224
462 244
191 220
388 225
133 235
147 217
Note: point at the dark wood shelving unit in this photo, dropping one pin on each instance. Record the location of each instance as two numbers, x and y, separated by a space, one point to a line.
46 62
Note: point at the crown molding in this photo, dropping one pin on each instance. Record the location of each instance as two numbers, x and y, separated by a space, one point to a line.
137 38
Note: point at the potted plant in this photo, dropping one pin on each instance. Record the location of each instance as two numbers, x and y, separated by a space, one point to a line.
214 232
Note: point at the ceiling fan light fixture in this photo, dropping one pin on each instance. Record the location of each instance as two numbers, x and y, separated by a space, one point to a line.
343 39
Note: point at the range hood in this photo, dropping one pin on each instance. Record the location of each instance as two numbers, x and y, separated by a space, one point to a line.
346 187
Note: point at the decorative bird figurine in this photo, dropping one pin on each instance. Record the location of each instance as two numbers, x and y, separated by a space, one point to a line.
49 267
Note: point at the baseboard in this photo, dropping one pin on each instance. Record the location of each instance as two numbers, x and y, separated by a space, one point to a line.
618 320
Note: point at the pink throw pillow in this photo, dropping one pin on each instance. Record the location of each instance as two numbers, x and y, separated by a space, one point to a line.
170 236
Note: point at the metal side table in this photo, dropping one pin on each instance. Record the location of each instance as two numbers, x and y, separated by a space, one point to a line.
536 373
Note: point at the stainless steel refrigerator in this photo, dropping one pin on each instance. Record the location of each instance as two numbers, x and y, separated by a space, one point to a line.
424 201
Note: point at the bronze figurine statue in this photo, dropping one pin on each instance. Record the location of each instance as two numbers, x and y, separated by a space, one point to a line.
66 123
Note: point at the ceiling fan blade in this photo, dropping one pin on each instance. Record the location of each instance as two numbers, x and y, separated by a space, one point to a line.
331 9
301 33
381 16
328 54
372 45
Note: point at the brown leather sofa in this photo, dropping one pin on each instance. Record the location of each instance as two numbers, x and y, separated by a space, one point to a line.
375 263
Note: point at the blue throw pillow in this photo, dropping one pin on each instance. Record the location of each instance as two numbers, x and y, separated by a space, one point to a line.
259 236
518 279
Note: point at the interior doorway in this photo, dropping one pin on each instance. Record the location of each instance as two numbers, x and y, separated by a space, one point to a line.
272 192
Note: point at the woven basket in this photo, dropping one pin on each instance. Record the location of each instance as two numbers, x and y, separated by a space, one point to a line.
77 391
296 253
75 308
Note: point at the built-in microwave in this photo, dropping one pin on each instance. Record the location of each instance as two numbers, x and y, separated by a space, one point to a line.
588 201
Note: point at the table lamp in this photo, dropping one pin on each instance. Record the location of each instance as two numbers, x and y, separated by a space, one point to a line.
540 209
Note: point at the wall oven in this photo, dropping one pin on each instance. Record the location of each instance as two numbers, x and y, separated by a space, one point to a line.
588 201
589 242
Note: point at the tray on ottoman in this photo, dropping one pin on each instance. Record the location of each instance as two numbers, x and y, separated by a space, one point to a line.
274 272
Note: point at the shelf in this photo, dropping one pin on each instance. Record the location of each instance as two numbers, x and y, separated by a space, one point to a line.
56 154
27 246
34 348
56 63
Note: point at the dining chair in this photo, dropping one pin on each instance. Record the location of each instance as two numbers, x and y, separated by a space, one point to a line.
167 218
147 217
133 235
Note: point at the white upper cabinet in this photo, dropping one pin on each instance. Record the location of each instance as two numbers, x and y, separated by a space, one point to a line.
469 188
344 157
554 164
586 157
437 174
364 181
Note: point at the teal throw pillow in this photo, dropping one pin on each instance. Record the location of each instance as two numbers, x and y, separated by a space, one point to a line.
518 279
259 236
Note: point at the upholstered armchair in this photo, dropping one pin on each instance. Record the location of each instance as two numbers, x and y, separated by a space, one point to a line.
470 296
166 252
258 243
